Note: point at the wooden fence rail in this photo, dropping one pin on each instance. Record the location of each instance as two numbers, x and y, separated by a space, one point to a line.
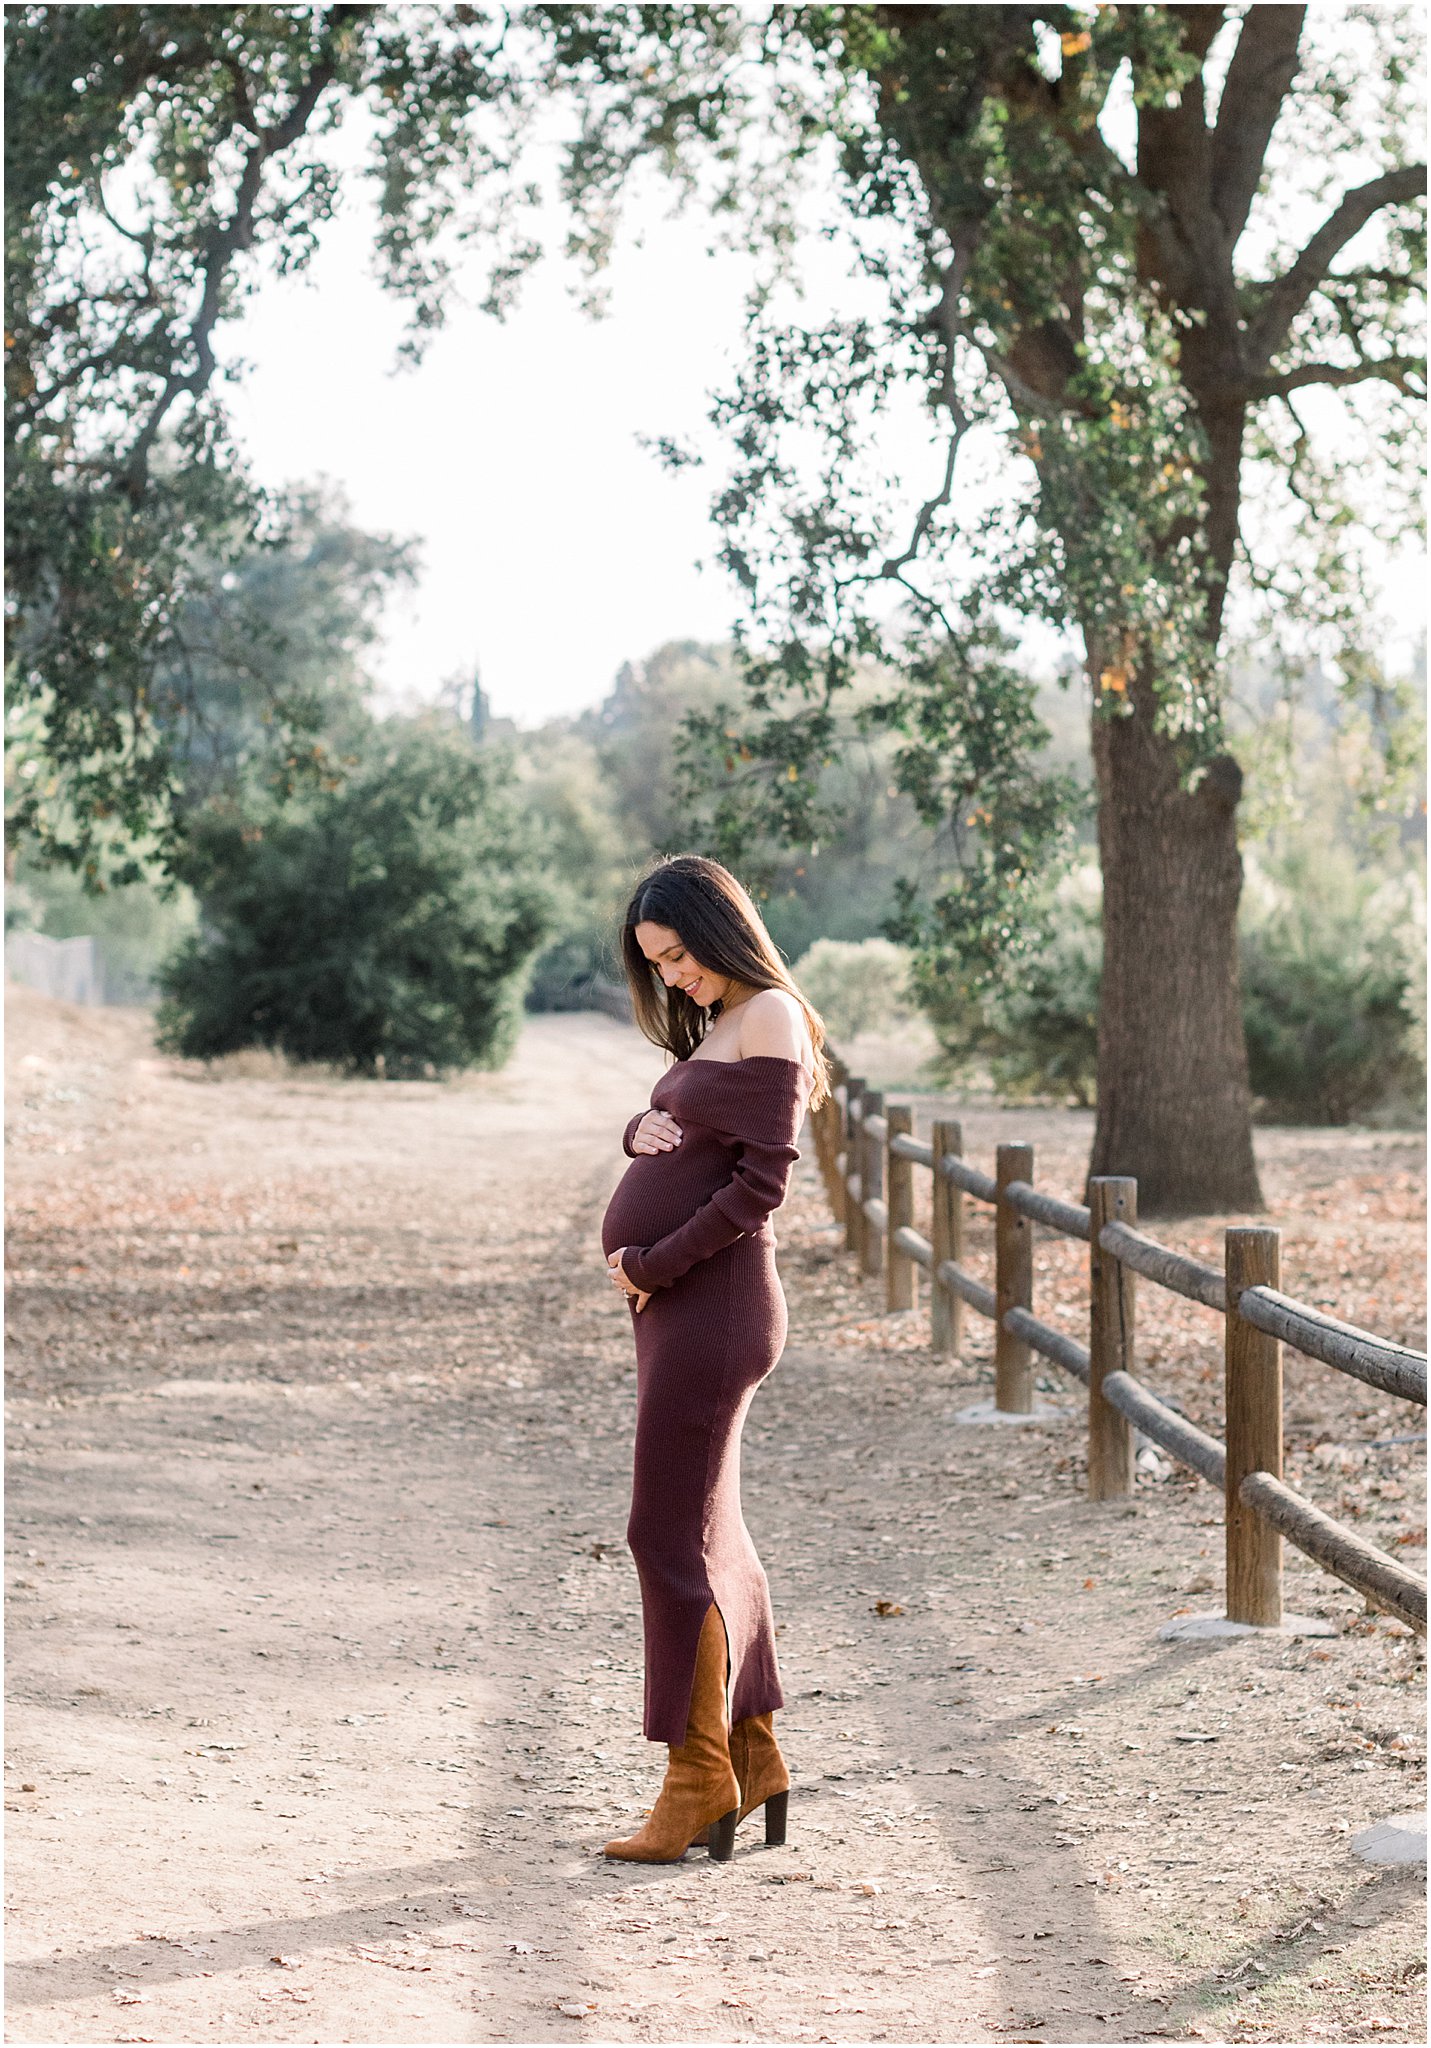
868 1154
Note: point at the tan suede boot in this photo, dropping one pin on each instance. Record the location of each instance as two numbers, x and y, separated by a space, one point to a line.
701 1793
764 1780
760 1770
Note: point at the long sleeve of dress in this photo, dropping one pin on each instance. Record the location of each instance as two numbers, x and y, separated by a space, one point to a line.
630 1133
761 1123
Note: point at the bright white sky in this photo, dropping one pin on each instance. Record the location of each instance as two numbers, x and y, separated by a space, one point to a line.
554 546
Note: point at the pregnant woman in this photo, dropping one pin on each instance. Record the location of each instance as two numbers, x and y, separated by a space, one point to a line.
688 1239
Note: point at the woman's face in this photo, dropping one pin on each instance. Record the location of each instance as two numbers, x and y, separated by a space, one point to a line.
666 953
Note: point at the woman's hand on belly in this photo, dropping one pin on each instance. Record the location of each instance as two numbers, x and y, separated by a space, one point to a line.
621 1283
656 1132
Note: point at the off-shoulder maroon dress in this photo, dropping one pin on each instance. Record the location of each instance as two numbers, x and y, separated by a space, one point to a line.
696 1225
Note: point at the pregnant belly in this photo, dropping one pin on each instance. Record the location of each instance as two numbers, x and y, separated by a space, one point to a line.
656 1195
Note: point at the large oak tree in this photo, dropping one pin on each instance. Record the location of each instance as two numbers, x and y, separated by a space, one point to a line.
1129 239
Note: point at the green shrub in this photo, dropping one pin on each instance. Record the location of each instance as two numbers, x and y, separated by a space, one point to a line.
856 986
383 925
1038 1034
1042 1035
1332 996
1331 974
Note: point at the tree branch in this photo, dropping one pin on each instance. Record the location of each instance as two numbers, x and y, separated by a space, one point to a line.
1200 25
1175 165
26 413
952 285
1258 80
223 245
143 240
1290 292
1397 370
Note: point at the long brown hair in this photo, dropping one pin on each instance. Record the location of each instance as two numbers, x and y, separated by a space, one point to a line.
723 932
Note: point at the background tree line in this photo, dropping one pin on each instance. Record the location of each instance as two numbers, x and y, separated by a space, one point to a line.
342 916
1124 245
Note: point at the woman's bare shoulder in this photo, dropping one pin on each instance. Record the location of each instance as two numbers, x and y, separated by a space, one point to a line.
772 1026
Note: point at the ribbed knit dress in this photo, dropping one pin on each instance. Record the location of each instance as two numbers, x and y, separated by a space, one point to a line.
696 1225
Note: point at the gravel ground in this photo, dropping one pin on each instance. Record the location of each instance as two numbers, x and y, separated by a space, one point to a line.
325 1647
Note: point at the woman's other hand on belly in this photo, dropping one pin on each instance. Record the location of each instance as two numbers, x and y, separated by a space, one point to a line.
622 1284
656 1132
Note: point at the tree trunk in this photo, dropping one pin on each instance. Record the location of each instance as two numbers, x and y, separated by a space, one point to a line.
1174 1103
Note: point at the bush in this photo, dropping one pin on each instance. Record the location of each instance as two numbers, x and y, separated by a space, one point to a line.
1042 1031
1332 979
1038 1034
383 925
856 986
1331 971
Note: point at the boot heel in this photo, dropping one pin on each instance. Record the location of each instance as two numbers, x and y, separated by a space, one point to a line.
776 1808
721 1839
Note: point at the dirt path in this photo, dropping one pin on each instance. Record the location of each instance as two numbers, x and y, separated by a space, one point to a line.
325 1651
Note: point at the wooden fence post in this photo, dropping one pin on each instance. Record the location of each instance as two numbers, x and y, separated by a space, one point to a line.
872 1185
1013 1284
1253 1394
827 1125
899 1186
835 1114
854 1165
1112 1301
946 1310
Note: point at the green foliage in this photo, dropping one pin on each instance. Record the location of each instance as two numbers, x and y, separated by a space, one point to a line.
1333 927
636 731
1333 976
951 743
1073 226
1333 965
970 759
383 925
258 687
591 860
266 683
843 888
838 883
1034 1034
856 987
1045 1021
160 161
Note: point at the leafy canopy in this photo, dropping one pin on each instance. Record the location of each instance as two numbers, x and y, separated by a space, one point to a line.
1081 236
1112 252
160 162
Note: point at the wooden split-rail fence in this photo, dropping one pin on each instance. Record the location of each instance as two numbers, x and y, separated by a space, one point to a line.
868 1154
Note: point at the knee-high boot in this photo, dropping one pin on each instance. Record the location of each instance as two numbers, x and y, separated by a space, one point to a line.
764 1780
700 1791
